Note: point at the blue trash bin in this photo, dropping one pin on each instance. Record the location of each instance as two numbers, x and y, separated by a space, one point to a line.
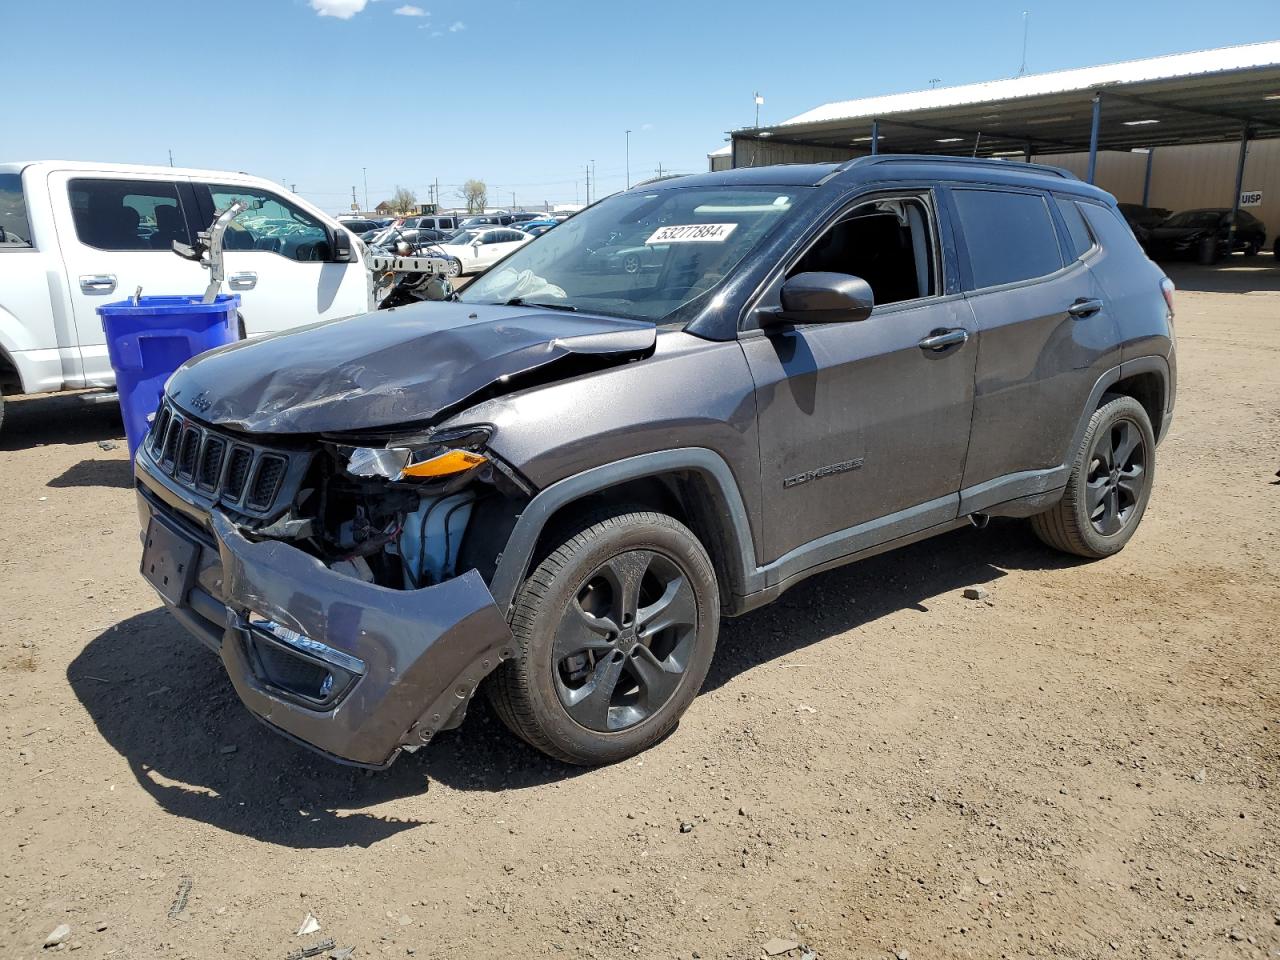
149 339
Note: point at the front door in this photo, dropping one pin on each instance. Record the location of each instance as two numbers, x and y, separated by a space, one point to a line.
278 258
864 425
116 235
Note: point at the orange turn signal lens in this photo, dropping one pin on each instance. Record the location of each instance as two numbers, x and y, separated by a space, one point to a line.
455 461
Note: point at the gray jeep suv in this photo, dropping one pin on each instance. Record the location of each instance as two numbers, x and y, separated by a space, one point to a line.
556 483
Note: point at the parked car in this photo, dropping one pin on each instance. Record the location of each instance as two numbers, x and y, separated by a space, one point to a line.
556 484
486 220
359 225
79 235
445 224
536 228
1140 217
479 249
1206 235
519 218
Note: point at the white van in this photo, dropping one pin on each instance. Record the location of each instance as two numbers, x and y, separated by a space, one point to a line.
76 235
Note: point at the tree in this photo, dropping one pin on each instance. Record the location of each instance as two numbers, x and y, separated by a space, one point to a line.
476 194
404 201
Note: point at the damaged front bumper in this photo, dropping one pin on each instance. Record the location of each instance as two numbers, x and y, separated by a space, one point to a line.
351 669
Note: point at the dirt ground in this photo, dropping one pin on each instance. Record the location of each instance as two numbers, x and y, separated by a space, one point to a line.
1084 765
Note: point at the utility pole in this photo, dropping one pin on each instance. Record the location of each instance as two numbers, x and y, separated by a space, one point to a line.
365 171
513 201
586 169
595 184
1025 22
659 168
293 188
628 159
354 204
171 156
437 194
759 102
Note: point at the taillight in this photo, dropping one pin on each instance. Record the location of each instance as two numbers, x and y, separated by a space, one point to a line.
1167 288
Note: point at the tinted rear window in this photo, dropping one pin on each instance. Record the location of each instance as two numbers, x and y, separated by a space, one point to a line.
1109 227
127 214
1010 236
15 232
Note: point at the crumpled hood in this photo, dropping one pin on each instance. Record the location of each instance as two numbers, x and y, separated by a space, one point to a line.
390 367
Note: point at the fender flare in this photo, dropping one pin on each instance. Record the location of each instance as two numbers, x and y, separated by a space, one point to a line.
516 556
1152 364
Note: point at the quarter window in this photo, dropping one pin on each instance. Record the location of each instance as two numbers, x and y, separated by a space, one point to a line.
1010 236
15 231
127 214
272 225
1081 241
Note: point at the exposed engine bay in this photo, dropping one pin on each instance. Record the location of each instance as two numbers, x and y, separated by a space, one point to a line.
402 517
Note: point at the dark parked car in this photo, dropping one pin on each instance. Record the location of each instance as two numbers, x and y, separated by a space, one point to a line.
1206 235
486 220
556 483
358 225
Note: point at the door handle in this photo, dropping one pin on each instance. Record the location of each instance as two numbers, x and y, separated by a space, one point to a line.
1084 307
245 280
97 282
941 339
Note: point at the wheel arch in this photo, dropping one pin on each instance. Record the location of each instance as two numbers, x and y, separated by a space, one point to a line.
693 484
1146 379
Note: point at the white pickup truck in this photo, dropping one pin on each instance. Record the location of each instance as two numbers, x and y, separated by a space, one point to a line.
76 235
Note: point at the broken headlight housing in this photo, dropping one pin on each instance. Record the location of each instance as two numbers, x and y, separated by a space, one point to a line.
436 457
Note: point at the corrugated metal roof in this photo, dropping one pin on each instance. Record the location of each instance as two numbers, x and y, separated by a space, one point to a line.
1178 65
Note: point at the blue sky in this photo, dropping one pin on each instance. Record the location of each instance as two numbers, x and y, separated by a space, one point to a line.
520 93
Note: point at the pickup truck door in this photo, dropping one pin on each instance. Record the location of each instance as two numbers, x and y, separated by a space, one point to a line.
115 235
278 259
864 424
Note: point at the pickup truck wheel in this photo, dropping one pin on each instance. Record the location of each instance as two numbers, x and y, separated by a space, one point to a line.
1109 485
614 630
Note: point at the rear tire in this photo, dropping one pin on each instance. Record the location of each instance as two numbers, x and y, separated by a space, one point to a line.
1109 485
614 633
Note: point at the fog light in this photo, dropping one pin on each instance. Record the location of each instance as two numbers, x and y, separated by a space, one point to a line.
304 644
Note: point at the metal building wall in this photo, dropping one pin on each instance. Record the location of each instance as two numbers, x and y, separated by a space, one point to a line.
751 152
1186 177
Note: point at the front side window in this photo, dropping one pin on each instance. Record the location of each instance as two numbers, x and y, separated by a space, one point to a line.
15 230
887 242
655 255
1010 236
272 225
127 214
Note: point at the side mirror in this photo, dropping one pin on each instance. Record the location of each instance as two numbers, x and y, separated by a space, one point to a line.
476 243
341 246
821 298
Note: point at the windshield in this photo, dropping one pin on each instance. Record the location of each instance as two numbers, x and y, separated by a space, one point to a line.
1194 218
643 255
463 237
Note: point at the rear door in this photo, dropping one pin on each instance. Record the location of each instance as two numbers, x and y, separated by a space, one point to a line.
279 260
1045 334
115 235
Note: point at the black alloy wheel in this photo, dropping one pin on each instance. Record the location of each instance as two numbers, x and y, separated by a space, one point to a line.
625 640
1117 476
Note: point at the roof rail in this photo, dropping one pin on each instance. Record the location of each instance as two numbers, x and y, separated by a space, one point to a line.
989 162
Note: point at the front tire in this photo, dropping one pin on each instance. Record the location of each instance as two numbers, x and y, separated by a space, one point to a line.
614 633
1109 485
454 270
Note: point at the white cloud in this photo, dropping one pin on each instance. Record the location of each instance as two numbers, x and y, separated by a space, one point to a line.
342 9
456 26
409 10
646 126
436 33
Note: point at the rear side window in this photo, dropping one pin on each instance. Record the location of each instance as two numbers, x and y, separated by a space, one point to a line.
1109 227
1081 241
1010 236
15 232
127 214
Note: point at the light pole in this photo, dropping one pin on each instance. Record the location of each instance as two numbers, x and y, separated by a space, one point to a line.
628 159
365 172
593 180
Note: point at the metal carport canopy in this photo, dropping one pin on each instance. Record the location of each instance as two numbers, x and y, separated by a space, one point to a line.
1201 97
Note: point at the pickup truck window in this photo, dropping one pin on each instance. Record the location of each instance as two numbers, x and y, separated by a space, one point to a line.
1010 236
127 214
15 233
275 226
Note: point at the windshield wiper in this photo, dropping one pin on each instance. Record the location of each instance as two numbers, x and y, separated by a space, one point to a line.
522 302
